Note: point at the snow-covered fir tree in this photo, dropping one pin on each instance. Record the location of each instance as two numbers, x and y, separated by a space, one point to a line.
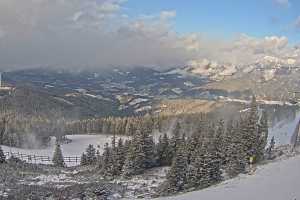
249 129
177 176
120 156
106 164
219 142
135 159
164 154
263 134
175 139
58 159
270 149
83 160
149 150
194 143
236 154
204 169
91 155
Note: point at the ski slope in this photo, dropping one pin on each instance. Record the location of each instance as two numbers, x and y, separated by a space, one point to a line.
275 181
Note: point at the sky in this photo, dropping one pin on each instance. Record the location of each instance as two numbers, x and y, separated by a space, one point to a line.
227 18
96 34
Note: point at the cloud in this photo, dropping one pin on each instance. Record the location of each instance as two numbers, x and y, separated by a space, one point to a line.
297 23
97 34
283 3
167 14
245 49
84 34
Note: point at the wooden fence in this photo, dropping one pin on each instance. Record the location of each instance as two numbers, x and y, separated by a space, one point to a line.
74 160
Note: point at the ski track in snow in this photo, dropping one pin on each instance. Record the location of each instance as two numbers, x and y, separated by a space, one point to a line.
275 181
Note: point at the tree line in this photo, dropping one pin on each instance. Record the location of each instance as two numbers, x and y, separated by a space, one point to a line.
198 160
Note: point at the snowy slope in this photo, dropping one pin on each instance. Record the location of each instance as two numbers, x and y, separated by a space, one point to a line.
276 181
284 130
75 148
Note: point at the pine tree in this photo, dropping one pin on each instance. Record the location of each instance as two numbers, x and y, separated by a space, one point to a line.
83 160
98 156
263 135
175 140
135 159
249 128
2 156
236 154
177 176
91 155
219 142
107 166
227 141
163 149
120 156
193 144
149 150
270 149
195 173
204 169
58 159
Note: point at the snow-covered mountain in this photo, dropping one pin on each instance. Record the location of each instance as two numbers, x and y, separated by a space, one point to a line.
268 66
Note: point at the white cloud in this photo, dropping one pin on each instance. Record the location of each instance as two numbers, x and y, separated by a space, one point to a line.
297 23
245 49
167 14
284 3
96 34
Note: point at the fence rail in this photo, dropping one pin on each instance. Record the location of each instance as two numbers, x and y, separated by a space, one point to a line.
41 159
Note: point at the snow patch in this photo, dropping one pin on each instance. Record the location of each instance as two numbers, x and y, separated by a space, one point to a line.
137 101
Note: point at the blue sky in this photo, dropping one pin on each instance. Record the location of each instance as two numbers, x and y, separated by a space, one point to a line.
227 18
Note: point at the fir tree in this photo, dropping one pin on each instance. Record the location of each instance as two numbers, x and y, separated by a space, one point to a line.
91 155
120 156
263 135
177 176
236 153
204 170
164 156
175 140
107 166
194 143
149 150
83 160
2 156
249 128
219 142
58 159
135 159
270 149
195 174
98 155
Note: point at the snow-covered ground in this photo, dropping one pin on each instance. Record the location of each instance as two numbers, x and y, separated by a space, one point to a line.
275 181
265 102
284 130
75 148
